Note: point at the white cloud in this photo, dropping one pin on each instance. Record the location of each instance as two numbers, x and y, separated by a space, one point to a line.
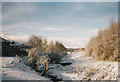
17 10
92 31
18 38
60 0
77 8
73 42
68 42
24 25
34 26
52 29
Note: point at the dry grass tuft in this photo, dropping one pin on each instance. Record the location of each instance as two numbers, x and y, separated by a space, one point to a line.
90 72
105 45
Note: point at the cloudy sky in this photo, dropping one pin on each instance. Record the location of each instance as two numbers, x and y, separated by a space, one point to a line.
60 0
72 23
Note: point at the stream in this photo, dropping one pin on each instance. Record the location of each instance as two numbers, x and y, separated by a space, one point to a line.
52 77
55 78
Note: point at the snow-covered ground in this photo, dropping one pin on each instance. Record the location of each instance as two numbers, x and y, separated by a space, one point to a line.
13 69
84 68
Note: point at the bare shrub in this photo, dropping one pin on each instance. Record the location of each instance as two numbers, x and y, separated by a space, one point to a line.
38 60
35 41
43 53
105 45
38 42
42 63
33 55
55 57
56 51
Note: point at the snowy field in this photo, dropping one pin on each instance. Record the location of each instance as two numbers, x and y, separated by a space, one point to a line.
12 69
82 68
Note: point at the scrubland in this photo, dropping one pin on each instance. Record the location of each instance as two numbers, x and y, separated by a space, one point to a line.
104 46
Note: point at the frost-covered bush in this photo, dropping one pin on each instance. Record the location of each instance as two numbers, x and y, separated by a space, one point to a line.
55 50
33 55
43 53
38 42
38 60
42 63
105 45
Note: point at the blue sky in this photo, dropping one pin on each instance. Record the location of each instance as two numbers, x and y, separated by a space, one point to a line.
59 0
72 23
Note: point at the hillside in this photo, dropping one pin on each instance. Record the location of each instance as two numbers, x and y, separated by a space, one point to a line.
8 50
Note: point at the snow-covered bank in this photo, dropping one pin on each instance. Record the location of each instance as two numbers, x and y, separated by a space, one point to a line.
13 69
84 68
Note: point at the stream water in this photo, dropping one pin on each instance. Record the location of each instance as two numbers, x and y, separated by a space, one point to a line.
54 78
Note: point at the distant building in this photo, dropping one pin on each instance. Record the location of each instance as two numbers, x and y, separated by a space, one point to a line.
11 48
14 44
